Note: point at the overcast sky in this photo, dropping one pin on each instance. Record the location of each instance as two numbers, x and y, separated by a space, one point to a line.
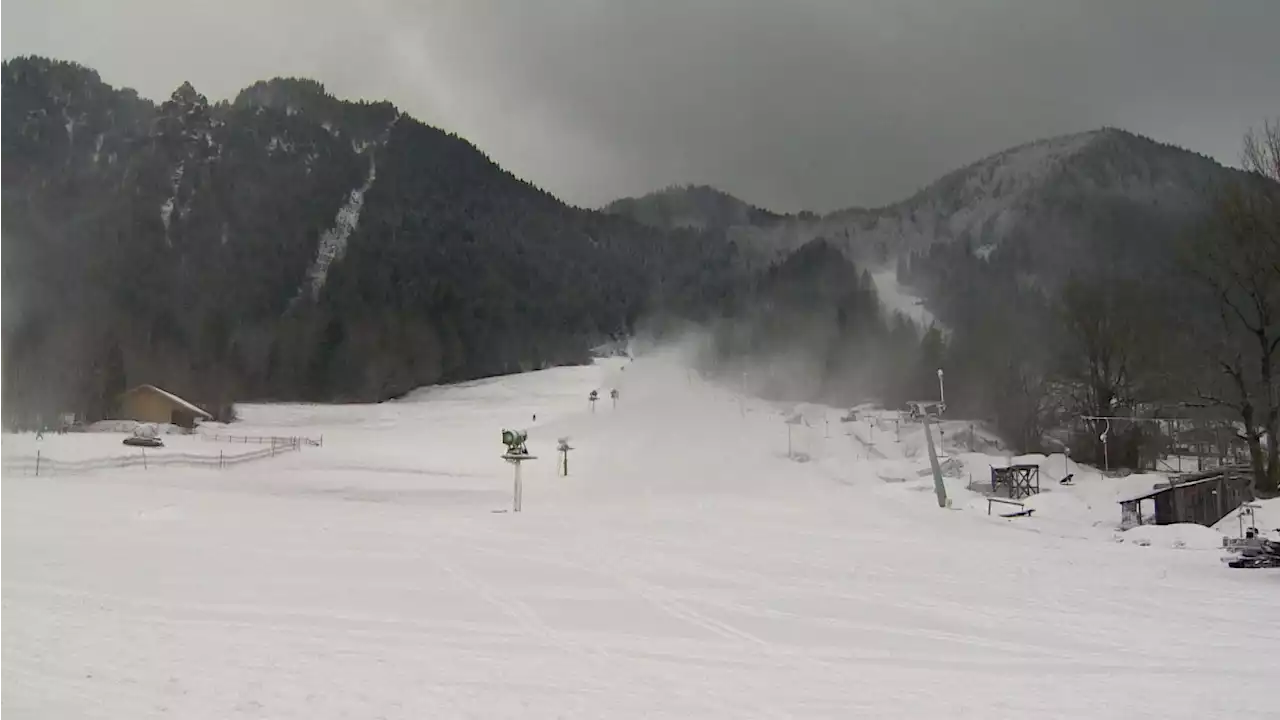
789 104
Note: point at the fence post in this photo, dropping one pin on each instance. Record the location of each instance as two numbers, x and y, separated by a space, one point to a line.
220 461
37 463
273 447
144 459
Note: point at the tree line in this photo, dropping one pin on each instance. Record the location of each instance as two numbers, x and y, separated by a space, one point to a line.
1191 331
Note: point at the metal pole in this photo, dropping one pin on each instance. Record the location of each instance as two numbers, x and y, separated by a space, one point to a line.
939 488
788 439
37 463
144 459
515 501
942 393
1173 429
4 381
1106 451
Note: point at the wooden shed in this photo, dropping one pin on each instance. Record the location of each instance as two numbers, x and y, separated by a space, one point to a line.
1202 498
148 403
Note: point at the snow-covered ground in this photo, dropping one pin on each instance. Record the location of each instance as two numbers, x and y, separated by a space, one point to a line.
897 299
685 568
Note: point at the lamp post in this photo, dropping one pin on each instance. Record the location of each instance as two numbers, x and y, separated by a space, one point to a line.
942 392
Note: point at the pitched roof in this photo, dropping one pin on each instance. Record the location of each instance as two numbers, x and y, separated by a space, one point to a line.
1189 480
171 398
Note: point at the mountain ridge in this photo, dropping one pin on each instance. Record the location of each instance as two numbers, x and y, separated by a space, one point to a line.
1033 189
1078 140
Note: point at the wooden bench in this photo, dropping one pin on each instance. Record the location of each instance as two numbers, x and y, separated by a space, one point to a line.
1023 510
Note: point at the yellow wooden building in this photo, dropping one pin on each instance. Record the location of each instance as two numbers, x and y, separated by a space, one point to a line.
148 403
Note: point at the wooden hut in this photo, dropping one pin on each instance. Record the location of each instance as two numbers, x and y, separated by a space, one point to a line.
1202 498
148 403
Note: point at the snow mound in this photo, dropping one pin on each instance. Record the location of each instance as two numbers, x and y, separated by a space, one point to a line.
1179 535
1061 505
131 426
1266 518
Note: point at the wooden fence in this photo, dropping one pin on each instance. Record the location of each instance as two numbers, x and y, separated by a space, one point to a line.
263 439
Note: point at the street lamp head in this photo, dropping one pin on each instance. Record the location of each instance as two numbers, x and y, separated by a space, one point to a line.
939 372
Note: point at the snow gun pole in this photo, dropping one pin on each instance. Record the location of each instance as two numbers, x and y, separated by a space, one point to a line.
3 382
939 488
519 490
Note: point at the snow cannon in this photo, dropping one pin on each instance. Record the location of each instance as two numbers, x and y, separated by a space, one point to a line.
515 441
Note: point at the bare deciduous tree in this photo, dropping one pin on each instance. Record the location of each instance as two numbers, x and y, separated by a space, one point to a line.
1238 263
1104 353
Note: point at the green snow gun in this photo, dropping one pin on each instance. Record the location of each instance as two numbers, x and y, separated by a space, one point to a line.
515 441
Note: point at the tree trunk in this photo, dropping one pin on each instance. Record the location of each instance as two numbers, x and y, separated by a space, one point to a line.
1269 483
1257 462
1268 472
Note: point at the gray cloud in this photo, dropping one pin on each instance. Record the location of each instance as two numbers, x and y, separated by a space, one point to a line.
790 104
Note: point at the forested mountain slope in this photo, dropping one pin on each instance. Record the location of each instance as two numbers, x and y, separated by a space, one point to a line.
287 244
1063 271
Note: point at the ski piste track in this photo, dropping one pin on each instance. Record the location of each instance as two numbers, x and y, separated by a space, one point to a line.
686 568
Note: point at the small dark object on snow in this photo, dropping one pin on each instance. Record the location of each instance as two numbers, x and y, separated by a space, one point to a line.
138 441
1020 513
1068 479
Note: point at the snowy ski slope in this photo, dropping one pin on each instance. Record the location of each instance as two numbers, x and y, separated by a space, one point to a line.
685 569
